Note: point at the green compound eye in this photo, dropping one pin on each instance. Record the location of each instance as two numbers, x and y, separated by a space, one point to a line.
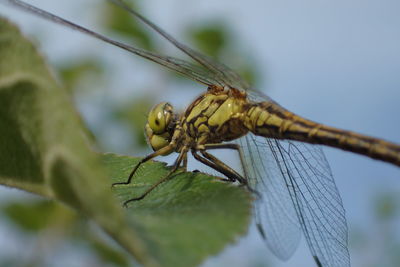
157 141
159 117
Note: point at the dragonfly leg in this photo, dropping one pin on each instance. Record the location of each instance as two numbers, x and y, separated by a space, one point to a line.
184 162
218 165
243 180
175 166
222 146
231 178
147 158
229 146
223 168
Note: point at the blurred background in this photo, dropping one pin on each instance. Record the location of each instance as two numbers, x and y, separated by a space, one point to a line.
335 62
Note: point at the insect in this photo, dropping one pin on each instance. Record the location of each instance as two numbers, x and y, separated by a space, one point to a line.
283 166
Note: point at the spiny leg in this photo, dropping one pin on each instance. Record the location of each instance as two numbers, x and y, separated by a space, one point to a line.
217 164
230 146
222 146
236 147
147 158
222 167
231 176
175 166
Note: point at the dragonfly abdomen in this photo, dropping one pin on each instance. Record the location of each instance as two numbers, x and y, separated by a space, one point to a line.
357 143
270 120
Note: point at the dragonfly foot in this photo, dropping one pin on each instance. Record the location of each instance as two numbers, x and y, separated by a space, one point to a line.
227 180
119 183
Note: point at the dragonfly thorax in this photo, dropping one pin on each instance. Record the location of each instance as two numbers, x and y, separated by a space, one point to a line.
160 125
216 116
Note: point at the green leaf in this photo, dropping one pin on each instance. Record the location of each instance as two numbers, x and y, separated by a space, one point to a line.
40 214
109 254
132 114
75 71
120 21
216 39
44 150
185 219
211 38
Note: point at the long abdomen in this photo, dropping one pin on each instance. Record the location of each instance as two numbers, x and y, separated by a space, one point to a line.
268 119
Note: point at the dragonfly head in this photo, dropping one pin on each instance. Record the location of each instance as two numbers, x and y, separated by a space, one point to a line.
160 125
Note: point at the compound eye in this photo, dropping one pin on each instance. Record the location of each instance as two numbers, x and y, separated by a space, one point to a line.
159 117
157 141
148 131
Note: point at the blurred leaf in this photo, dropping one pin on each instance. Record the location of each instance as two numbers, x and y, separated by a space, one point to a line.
212 38
185 219
39 213
109 254
215 40
73 72
134 114
76 72
61 225
120 21
43 150
385 207
248 72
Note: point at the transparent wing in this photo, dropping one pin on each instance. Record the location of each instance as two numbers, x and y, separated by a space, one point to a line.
208 72
275 215
221 73
257 96
297 191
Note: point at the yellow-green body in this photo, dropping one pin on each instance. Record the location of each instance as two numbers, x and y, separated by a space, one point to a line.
225 114
215 116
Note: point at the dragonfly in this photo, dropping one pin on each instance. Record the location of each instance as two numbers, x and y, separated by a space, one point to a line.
283 163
